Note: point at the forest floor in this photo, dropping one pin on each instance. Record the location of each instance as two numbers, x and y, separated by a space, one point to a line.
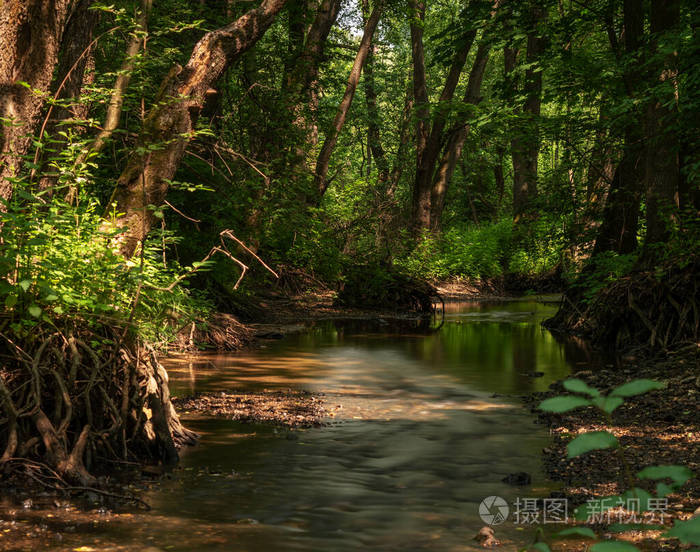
658 428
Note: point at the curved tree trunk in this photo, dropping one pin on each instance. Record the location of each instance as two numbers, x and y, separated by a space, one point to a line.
171 123
458 137
374 137
434 141
332 137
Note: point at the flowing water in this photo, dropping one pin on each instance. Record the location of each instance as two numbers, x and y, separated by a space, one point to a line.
425 425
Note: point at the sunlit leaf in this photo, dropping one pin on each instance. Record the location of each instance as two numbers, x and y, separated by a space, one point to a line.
686 531
636 387
580 386
563 404
594 440
608 404
678 474
577 532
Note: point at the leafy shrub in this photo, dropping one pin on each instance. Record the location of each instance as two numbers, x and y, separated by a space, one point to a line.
60 260
486 251
686 531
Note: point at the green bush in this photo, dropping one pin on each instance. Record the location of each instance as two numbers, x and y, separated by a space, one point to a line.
60 260
485 251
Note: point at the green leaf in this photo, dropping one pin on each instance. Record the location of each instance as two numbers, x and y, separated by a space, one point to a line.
11 301
594 440
608 404
34 310
577 532
636 494
24 284
540 547
614 546
580 386
663 490
563 404
678 474
686 531
636 387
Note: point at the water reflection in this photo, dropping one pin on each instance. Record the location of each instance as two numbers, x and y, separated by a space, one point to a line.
424 427
491 346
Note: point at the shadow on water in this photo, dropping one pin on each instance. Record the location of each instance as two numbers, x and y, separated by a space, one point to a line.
424 426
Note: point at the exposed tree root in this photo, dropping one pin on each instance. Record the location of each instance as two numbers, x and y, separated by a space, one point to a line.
656 310
73 399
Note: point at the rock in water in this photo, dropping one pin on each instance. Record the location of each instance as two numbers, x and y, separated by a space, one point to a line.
486 538
519 478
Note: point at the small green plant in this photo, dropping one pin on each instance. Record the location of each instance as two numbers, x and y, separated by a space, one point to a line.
669 478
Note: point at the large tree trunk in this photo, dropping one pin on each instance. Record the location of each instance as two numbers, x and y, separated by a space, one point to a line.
662 168
420 90
525 146
400 159
75 71
302 82
171 122
618 231
30 34
374 137
458 137
431 151
332 137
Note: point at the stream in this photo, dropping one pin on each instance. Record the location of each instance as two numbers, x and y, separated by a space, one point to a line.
424 425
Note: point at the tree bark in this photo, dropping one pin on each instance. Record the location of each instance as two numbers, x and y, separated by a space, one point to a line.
116 101
525 149
374 138
618 231
662 167
332 137
455 144
431 150
302 83
30 33
171 122
420 90
75 71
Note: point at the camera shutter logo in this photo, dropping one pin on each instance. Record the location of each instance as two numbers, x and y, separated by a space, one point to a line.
493 510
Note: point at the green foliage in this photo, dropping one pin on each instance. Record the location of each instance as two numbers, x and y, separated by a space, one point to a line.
481 252
601 270
593 440
60 260
688 531
563 404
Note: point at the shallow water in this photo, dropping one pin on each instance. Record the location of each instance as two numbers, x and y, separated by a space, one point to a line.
425 424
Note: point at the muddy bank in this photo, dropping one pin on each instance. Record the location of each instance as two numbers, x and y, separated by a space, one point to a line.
658 428
288 408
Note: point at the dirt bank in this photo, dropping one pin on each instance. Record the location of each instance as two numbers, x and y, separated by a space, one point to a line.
659 428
